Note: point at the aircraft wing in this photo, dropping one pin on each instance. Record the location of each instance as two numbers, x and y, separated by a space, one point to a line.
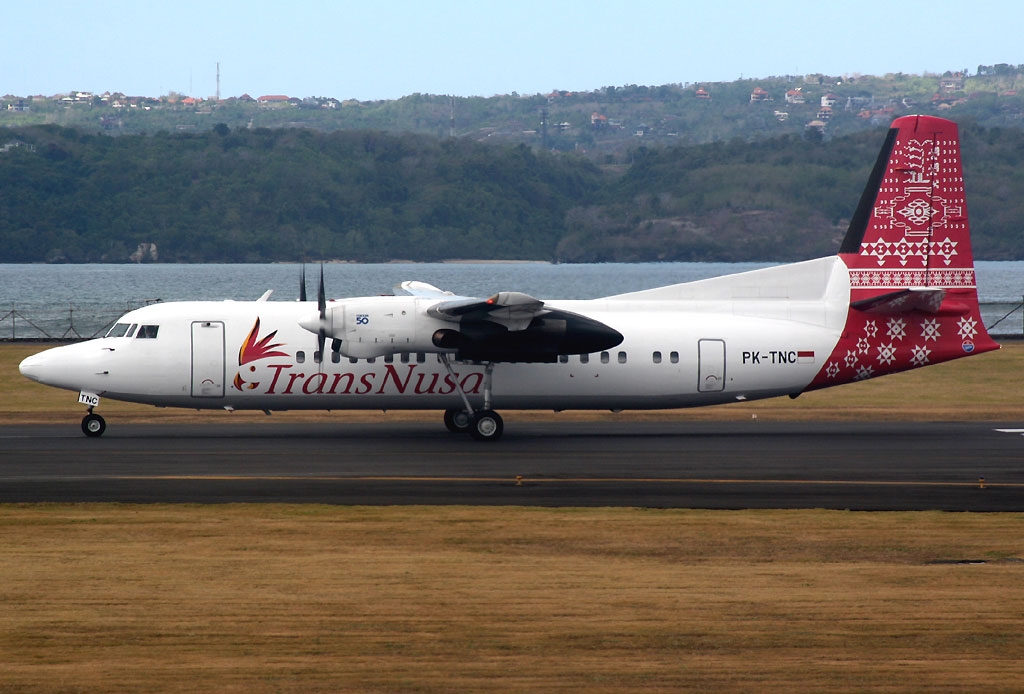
514 310
510 326
422 289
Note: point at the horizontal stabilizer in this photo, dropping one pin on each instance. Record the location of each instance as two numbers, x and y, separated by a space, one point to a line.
903 301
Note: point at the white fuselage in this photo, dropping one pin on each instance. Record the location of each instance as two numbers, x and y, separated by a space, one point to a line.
748 336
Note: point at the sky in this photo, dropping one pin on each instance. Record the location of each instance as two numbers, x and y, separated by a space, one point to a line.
386 49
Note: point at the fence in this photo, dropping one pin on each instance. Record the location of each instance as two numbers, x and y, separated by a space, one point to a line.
47 325
1002 319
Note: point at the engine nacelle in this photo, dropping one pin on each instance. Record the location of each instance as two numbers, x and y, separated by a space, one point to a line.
543 340
381 325
369 327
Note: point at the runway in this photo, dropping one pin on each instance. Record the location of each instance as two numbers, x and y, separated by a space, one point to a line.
860 466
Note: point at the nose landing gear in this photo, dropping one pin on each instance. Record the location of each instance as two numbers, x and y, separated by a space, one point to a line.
93 425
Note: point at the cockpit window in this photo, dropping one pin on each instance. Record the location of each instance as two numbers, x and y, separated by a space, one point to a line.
118 330
147 331
131 330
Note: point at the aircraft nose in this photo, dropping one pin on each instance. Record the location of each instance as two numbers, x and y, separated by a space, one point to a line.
32 367
63 367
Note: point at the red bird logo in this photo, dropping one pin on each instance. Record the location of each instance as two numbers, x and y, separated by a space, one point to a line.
253 349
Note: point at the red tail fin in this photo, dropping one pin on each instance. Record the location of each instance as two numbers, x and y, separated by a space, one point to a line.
913 298
911 229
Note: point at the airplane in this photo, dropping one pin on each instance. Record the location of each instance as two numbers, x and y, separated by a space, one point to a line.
900 294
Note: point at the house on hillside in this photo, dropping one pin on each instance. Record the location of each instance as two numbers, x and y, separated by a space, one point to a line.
952 84
759 95
795 96
273 100
703 94
816 125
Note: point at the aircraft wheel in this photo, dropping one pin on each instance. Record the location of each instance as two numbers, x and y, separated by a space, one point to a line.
93 425
456 421
486 426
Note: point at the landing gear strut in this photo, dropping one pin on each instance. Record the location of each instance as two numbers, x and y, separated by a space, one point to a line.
484 424
93 425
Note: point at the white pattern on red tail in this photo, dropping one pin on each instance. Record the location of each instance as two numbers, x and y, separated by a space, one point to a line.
916 238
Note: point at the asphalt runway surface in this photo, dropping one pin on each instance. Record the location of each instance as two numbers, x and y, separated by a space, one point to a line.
861 466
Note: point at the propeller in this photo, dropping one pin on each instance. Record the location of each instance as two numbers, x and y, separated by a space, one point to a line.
318 324
321 304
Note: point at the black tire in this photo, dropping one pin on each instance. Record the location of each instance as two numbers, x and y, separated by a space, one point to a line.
456 421
487 425
93 425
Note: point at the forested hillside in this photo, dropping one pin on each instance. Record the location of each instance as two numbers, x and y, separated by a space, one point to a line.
291 194
266 195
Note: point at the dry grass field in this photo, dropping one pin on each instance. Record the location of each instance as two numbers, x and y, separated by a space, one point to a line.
342 599
307 598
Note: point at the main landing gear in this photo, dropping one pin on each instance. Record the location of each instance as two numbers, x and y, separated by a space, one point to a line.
483 424
93 425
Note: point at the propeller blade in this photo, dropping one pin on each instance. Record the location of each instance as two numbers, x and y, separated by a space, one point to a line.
321 296
302 283
321 302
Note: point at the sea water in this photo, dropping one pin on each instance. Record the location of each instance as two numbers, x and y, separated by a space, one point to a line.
70 300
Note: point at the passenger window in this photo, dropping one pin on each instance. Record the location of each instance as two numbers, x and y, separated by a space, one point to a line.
673 357
317 357
584 358
420 357
563 358
622 357
335 357
371 360
604 357
657 357
148 332
353 360
405 357
117 330
300 357
389 359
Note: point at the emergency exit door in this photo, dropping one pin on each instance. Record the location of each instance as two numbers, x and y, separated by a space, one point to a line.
710 366
208 359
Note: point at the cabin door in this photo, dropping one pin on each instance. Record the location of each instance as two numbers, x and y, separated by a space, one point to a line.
207 359
710 366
